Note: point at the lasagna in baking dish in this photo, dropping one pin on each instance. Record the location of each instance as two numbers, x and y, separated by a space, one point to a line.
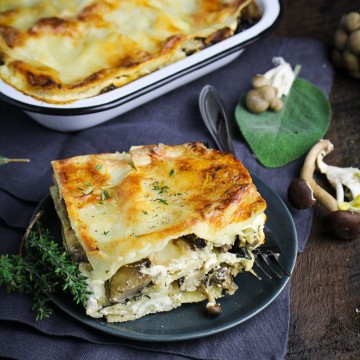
66 50
158 227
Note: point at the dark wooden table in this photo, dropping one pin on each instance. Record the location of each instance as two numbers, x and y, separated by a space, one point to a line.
325 292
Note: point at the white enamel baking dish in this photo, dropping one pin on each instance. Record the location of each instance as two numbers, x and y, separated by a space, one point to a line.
89 112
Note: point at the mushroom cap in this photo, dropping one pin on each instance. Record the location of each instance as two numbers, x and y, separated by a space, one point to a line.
255 102
276 104
259 80
213 309
267 92
354 42
300 195
351 21
340 39
344 223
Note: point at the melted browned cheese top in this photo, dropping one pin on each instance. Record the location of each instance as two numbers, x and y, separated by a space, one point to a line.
61 51
124 208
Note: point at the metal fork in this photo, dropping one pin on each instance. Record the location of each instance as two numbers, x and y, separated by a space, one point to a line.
267 256
216 120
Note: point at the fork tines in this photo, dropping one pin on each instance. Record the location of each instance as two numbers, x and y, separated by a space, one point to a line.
268 261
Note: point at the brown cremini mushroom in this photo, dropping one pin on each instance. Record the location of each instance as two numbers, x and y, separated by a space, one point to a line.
345 224
300 194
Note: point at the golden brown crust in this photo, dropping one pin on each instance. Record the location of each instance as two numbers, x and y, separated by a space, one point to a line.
122 208
62 52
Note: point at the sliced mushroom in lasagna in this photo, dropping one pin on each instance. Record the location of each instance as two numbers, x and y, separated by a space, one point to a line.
158 227
66 50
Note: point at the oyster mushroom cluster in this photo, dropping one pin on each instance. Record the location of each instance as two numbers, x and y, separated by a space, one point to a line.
346 53
343 218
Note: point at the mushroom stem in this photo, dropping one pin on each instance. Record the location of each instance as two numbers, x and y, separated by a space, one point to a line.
343 223
212 307
323 147
209 295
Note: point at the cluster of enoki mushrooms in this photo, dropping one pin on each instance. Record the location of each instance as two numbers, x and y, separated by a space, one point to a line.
343 217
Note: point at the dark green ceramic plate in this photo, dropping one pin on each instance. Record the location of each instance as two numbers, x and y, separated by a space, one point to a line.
190 321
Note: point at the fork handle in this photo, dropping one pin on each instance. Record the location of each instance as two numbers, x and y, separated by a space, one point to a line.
215 118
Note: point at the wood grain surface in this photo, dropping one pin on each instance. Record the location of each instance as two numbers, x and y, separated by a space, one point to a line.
325 293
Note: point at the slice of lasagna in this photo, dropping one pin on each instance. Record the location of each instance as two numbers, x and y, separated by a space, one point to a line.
158 227
62 51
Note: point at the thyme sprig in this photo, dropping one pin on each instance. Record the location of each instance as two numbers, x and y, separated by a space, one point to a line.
40 269
160 187
4 160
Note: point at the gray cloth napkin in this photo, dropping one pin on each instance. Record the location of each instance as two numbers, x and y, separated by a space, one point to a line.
172 119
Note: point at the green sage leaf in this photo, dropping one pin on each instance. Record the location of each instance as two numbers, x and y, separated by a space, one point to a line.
277 138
